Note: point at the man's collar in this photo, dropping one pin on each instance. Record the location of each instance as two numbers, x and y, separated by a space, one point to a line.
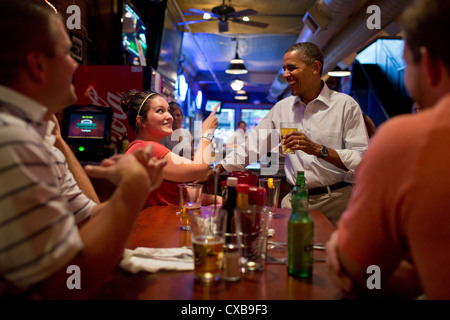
29 107
324 94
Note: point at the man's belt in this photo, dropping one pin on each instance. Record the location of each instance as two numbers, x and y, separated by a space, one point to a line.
322 190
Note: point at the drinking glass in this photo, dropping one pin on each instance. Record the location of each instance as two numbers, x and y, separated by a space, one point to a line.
208 238
252 231
272 187
190 196
285 128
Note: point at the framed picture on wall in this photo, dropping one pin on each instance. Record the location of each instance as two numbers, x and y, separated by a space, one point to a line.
77 48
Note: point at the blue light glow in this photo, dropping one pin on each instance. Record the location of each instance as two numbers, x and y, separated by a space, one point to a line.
198 99
182 87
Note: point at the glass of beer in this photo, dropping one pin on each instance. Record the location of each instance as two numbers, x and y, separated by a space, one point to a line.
208 238
190 196
272 187
285 128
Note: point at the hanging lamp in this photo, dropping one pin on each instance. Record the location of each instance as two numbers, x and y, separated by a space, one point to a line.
236 65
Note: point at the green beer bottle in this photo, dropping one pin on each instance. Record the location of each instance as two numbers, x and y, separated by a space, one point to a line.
300 232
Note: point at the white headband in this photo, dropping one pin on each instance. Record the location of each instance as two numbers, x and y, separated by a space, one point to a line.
140 107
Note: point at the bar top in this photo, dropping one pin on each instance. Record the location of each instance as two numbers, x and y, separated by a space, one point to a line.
157 227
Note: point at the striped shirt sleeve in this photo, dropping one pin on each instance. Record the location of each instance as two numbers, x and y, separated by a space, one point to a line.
38 233
78 203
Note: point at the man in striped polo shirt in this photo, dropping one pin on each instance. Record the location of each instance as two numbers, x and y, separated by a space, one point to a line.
46 223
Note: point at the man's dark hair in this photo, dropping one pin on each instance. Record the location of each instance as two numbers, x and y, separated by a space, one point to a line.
425 24
309 53
25 26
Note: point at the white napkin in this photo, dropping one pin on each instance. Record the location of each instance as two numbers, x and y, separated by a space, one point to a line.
155 259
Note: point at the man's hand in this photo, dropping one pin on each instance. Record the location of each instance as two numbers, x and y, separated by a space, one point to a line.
297 140
153 166
337 274
117 166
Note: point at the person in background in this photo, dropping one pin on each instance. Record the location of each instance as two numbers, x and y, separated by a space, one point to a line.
238 137
149 116
331 140
398 218
42 231
370 126
180 140
415 108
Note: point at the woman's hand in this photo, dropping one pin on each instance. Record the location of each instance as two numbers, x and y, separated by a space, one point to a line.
211 123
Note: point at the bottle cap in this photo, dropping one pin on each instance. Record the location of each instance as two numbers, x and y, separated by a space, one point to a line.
257 196
232 181
242 187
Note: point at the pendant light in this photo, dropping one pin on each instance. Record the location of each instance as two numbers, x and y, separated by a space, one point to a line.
241 95
237 64
338 72
237 84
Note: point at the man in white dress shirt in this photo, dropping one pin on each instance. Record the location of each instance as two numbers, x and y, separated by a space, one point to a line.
238 137
329 143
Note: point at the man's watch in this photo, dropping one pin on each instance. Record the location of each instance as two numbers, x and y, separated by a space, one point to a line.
208 136
323 152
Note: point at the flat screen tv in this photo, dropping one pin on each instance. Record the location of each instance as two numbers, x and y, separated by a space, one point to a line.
211 104
134 37
87 125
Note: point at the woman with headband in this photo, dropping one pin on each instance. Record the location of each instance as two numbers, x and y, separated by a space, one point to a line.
149 116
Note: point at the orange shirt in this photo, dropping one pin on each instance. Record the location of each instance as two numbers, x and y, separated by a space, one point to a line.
167 192
400 207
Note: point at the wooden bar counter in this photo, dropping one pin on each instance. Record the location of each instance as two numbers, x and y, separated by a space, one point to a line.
157 227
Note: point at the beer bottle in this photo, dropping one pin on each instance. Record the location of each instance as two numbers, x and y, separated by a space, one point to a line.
300 232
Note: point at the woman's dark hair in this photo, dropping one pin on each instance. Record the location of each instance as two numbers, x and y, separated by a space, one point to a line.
134 103
174 106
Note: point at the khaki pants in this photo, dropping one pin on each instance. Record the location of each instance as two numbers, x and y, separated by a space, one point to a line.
331 204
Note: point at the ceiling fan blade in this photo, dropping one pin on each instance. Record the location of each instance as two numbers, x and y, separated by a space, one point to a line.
242 13
252 23
194 21
202 12
192 14
223 26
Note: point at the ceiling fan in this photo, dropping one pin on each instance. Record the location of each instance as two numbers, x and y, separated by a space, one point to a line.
223 14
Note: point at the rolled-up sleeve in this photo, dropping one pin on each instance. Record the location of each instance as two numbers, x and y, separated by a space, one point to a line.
355 142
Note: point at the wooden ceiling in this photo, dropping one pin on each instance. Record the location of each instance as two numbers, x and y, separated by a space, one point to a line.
206 52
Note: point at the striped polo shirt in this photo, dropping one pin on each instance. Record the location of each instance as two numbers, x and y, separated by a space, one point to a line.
40 202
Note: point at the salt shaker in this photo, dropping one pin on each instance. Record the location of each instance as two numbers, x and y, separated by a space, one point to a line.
232 269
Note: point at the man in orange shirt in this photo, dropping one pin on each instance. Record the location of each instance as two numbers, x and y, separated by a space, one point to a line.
394 238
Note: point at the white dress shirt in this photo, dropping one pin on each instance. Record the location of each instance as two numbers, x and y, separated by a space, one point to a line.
332 119
236 139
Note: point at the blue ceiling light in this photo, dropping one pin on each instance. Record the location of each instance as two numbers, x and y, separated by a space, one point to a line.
198 99
182 87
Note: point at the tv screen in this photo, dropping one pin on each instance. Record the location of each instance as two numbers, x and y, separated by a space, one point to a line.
211 104
87 125
134 37
169 57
